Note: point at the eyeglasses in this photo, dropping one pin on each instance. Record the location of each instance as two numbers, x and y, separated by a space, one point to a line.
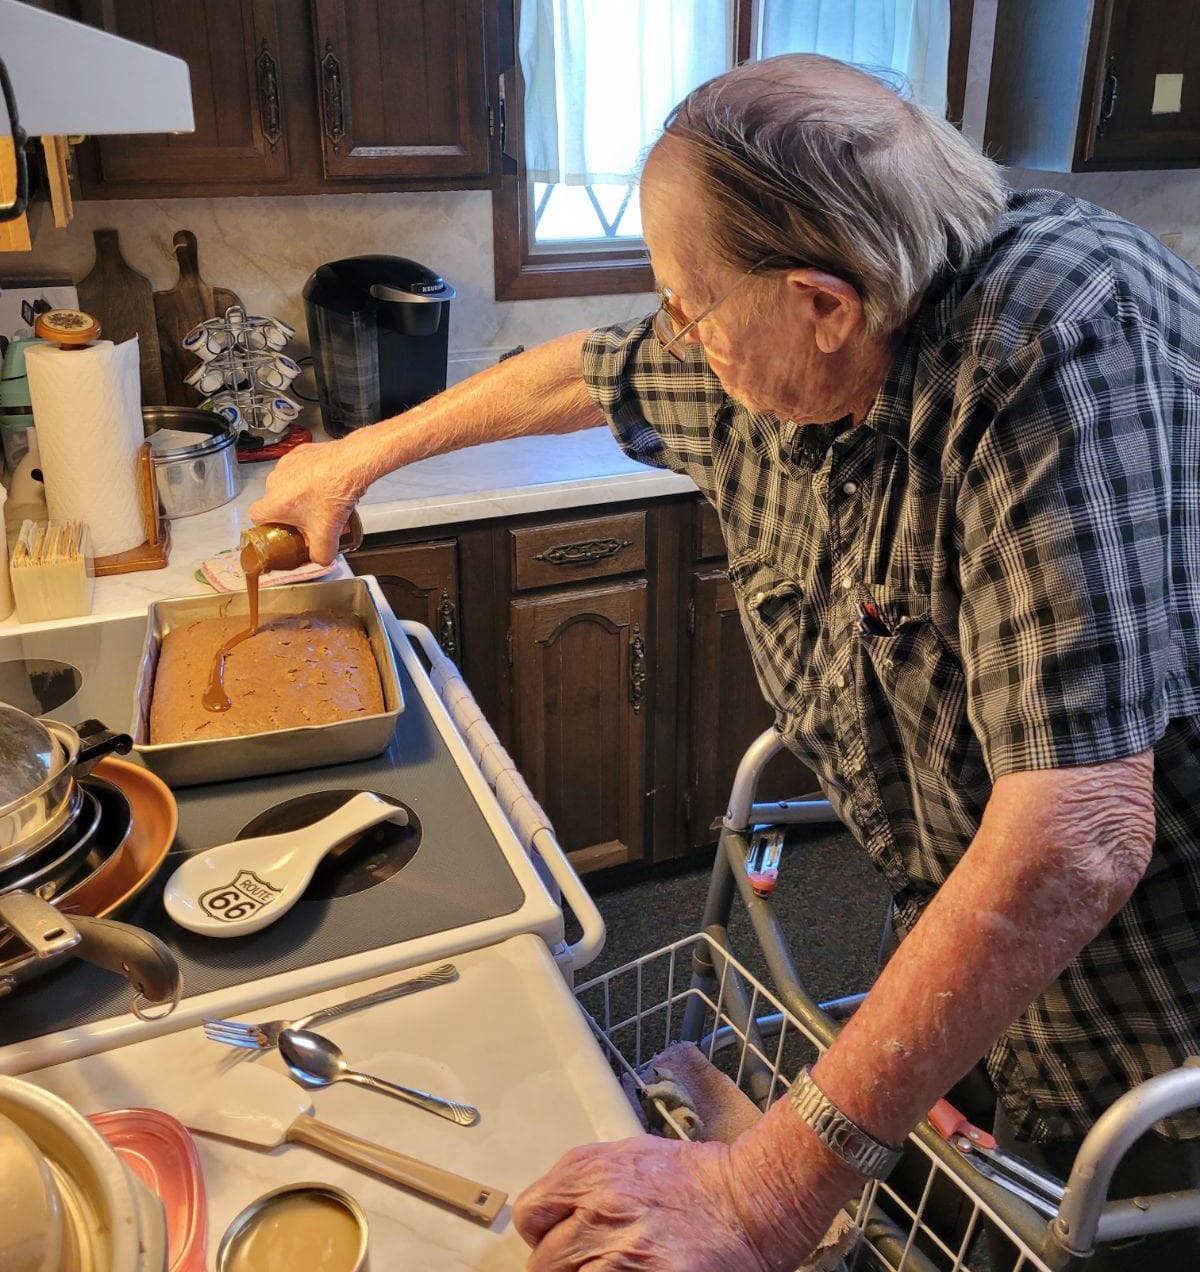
671 324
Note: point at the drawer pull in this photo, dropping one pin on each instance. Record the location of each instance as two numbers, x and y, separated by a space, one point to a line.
447 627
266 73
588 552
331 97
637 669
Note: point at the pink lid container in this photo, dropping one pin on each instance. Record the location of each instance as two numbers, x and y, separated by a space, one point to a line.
160 1151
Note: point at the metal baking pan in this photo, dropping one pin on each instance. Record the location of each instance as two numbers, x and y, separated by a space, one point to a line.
282 750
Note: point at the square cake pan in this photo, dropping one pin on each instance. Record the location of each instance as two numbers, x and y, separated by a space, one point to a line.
281 750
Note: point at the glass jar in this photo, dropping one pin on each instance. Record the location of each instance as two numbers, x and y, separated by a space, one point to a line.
275 546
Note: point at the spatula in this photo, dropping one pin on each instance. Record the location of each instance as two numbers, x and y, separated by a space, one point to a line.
242 886
261 1109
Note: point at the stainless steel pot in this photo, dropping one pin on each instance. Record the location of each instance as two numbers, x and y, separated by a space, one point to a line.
31 821
193 476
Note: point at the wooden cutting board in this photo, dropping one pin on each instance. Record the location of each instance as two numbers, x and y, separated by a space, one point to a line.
190 301
123 301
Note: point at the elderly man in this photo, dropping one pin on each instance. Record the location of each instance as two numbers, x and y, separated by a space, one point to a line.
953 437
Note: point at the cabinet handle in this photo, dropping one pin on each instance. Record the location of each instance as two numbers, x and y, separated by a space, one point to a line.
447 627
1108 95
266 72
331 97
21 198
586 553
637 669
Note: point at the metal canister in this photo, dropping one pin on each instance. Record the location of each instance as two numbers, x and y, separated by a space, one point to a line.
197 470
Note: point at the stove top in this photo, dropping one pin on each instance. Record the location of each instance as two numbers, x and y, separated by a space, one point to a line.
457 880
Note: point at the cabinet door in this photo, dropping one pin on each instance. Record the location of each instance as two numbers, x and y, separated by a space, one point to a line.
727 711
1146 77
232 48
420 582
402 86
581 706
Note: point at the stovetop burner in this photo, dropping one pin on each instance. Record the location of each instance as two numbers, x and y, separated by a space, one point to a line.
361 862
38 685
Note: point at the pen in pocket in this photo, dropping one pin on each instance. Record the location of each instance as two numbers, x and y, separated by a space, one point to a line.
871 621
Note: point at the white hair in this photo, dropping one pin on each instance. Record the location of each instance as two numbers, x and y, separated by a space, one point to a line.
808 162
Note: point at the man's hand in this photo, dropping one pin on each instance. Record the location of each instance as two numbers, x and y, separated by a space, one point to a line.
314 488
659 1205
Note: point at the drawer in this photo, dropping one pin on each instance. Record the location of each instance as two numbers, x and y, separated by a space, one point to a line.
570 551
709 541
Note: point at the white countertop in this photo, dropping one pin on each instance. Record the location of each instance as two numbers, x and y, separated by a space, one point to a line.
501 479
506 1036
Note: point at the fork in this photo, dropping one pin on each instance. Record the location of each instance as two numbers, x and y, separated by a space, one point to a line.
264 1036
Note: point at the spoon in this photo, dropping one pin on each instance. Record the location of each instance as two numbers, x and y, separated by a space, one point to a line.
241 887
314 1061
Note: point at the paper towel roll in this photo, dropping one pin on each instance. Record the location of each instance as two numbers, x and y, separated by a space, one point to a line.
88 407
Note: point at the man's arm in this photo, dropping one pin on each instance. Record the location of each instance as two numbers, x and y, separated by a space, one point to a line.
1057 854
538 392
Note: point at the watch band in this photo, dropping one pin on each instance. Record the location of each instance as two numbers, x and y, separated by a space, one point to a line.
838 1133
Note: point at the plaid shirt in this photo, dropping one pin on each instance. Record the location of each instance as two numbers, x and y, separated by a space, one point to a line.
998 570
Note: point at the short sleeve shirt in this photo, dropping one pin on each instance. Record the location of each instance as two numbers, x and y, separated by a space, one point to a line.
997 570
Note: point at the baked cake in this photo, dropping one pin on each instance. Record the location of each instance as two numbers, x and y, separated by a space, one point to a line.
297 670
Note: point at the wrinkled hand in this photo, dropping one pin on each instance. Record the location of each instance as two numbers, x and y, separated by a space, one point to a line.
649 1204
314 488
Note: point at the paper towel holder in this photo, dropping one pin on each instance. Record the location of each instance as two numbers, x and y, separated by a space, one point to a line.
73 329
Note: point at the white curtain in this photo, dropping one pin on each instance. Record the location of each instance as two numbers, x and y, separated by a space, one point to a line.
602 75
910 38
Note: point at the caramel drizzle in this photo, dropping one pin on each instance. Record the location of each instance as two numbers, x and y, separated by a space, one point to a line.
215 698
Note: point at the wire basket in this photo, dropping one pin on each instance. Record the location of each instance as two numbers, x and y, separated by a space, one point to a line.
927 1217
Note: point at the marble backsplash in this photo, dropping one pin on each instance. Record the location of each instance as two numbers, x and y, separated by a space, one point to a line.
265 249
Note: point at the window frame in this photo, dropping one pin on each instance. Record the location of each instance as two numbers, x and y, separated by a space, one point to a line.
523 273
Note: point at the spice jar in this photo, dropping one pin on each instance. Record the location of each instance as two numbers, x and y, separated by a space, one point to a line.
275 546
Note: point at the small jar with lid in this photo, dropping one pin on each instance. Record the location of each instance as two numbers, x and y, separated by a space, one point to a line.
275 546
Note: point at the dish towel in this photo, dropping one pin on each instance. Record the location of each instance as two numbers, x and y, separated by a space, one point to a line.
223 572
709 1106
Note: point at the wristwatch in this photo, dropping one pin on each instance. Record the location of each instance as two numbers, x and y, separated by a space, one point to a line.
838 1133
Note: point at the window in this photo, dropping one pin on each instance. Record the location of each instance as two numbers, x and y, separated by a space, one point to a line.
566 215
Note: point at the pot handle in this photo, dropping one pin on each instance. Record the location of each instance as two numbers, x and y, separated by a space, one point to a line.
96 741
142 959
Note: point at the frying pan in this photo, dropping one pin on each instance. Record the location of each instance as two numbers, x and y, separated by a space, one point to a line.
144 960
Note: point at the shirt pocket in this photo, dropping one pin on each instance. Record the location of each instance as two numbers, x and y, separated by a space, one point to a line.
782 631
908 669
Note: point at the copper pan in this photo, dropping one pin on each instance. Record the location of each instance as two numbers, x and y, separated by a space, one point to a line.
155 820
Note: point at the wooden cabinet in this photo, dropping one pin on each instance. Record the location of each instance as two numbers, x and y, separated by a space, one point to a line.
580 697
1084 85
232 48
727 711
309 96
606 650
420 582
401 87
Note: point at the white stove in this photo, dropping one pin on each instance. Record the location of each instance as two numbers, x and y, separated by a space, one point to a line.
466 882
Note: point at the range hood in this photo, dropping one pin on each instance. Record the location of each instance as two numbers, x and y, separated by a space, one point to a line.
70 78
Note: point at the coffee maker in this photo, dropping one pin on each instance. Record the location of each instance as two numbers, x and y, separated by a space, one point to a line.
378 327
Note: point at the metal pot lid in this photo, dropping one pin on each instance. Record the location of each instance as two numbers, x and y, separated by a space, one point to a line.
27 754
211 433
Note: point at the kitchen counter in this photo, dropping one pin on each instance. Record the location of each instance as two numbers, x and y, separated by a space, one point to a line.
500 479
